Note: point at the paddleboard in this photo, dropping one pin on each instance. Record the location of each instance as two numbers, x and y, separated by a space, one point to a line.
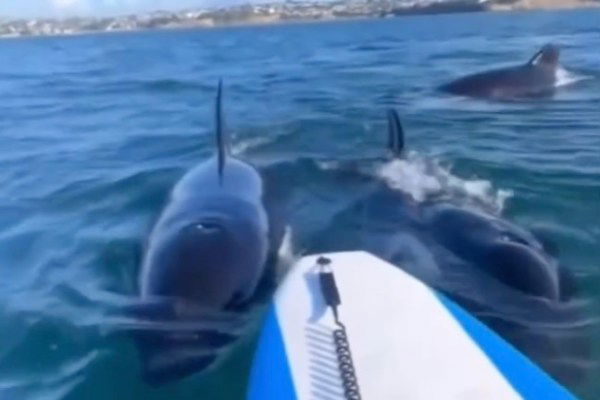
395 339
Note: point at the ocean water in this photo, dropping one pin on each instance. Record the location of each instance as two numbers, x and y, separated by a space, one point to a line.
96 129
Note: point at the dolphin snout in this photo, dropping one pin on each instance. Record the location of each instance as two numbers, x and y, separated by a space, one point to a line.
549 54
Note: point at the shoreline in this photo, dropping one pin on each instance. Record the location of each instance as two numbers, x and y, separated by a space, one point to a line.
260 21
543 5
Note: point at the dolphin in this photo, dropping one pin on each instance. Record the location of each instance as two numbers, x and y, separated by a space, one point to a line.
210 255
536 78
500 272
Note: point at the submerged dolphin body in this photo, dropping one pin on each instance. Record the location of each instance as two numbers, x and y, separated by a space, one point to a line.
498 271
536 78
210 254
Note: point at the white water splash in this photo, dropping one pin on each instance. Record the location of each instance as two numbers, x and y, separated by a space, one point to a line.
328 165
565 78
286 255
425 179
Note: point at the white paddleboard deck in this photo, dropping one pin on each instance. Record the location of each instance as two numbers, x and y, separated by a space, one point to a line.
407 342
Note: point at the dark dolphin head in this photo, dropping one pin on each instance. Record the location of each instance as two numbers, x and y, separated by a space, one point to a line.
499 249
547 56
210 244
206 254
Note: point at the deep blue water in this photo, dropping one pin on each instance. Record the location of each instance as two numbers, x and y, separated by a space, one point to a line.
96 129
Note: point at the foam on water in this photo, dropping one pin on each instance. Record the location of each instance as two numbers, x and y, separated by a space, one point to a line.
424 179
566 78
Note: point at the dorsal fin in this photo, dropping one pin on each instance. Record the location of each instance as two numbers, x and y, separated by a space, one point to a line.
221 135
547 55
533 60
395 133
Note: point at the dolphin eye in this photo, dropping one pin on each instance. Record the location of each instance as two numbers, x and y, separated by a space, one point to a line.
206 226
509 237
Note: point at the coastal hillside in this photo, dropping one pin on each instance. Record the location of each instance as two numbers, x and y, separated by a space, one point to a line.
499 5
270 13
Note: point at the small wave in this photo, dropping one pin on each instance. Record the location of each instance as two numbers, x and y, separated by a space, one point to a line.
53 384
371 47
248 144
170 85
424 179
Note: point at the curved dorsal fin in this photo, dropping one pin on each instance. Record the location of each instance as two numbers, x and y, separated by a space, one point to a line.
221 135
395 133
548 54
533 60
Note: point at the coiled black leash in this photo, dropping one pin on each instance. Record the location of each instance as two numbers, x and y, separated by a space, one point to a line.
340 336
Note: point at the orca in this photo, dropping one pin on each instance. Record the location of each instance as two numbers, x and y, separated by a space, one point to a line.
210 257
500 272
536 78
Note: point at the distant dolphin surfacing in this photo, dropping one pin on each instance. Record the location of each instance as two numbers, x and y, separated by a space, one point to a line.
496 270
536 78
210 252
